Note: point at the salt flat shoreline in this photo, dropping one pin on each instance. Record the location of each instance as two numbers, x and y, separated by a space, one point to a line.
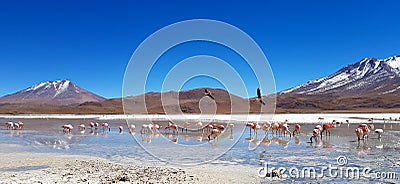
300 118
64 168
59 168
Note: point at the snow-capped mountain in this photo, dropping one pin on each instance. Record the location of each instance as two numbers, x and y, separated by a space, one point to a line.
368 76
61 92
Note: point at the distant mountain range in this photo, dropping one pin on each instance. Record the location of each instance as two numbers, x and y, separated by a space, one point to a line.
62 92
368 76
370 85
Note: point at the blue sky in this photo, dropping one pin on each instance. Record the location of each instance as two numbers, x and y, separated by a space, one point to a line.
91 42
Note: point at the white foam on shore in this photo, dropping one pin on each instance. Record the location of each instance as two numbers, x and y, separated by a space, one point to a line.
292 118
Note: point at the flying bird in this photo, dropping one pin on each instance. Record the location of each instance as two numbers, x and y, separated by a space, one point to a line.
208 93
259 97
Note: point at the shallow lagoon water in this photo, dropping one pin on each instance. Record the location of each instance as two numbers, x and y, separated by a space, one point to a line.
251 152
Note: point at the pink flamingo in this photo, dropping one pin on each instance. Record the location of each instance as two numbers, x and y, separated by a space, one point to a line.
371 126
285 130
359 133
156 126
296 129
185 126
105 125
281 125
16 126
10 125
256 127
275 128
249 125
67 128
199 125
150 127
208 127
231 126
131 128
316 132
172 126
215 132
208 93
362 125
259 96
266 126
218 126
91 125
326 128
379 131
145 128
365 129
82 127
20 125
320 128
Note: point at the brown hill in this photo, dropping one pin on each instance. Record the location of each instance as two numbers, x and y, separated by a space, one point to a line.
191 101
194 101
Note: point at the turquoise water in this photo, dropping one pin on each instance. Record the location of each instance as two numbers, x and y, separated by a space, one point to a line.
381 155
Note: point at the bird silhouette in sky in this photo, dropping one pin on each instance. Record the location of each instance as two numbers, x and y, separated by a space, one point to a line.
208 93
259 96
